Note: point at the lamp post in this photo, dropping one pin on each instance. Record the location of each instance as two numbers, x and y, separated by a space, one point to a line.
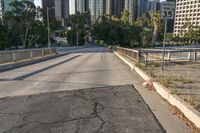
49 41
77 36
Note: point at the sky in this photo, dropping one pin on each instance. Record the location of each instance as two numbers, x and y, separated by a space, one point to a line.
38 2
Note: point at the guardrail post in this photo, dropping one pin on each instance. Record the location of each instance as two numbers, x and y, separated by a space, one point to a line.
14 56
31 54
169 56
189 56
146 57
42 52
195 56
50 51
138 56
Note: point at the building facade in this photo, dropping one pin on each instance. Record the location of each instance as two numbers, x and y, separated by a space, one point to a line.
64 8
187 11
141 7
1 9
80 6
153 5
58 9
96 8
130 5
108 7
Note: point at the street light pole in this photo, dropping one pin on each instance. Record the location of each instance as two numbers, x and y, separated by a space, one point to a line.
49 42
77 38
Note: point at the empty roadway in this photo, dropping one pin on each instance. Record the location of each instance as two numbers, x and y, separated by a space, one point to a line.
84 68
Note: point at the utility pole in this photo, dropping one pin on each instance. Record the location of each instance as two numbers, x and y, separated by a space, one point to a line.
49 42
48 27
77 36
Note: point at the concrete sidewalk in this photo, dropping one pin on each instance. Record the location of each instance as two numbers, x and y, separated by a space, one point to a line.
159 107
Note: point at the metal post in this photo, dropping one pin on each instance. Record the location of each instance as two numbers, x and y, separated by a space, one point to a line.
49 42
77 38
164 40
14 56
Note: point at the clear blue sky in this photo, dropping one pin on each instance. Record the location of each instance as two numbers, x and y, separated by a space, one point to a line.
38 2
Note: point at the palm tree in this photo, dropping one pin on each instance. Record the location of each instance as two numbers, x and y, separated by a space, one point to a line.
156 22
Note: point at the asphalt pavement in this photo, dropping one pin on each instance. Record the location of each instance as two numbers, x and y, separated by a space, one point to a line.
98 110
43 95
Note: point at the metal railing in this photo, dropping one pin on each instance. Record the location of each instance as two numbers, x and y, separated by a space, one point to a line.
170 55
130 53
19 55
155 55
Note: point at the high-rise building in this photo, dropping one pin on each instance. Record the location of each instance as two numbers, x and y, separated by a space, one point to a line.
108 7
1 9
154 5
80 6
59 9
186 12
65 10
117 7
51 5
96 8
141 7
72 6
130 5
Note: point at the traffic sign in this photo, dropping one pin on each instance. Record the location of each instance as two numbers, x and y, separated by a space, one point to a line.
168 10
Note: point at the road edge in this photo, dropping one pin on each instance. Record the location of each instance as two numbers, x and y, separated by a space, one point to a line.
192 114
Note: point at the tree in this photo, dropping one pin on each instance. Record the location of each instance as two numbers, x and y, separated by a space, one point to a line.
24 15
156 22
24 26
2 35
80 26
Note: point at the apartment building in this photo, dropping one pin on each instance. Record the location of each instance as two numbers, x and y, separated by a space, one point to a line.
187 11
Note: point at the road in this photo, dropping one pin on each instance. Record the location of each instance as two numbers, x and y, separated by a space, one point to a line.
36 88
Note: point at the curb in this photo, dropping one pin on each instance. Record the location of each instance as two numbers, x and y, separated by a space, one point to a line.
14 65
192 114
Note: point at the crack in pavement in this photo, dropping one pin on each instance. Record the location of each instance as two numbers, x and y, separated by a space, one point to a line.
81 111
95 109
95 114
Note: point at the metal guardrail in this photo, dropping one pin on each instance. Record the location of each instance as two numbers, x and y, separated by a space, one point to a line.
19 55
155 55
130 53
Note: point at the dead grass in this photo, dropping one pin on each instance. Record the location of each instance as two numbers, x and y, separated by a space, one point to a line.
175 111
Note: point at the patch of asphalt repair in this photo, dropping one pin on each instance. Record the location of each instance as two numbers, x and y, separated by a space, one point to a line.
118 109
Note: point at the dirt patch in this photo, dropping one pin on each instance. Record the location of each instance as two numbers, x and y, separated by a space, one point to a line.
180 78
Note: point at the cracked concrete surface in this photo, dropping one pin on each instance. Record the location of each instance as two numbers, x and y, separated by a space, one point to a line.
117 109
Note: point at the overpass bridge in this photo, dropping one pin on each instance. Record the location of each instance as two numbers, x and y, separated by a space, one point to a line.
89 90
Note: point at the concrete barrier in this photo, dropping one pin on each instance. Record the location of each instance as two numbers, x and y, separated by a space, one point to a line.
9 66
192 114
19 55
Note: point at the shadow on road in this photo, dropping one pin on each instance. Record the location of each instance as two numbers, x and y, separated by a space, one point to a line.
44 69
